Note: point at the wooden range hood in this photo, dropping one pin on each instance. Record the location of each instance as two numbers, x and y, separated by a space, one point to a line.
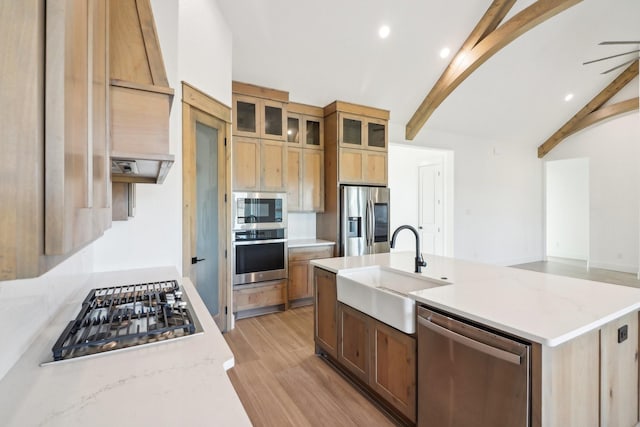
140 96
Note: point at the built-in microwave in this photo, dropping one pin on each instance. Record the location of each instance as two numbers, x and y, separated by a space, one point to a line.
259 211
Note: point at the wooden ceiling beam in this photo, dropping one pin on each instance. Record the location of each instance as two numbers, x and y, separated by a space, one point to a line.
607 112
576 122
487 38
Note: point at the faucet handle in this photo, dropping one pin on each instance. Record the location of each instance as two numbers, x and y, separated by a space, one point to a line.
421 261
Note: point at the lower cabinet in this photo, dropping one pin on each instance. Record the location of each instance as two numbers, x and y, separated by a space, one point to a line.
300 289
379 357
259 298
325 313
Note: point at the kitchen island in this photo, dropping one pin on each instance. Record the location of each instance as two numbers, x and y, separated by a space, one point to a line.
582 372
174 382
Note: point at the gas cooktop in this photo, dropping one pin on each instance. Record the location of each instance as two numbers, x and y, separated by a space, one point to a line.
119 317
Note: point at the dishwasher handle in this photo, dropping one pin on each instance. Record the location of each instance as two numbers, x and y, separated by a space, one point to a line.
516 359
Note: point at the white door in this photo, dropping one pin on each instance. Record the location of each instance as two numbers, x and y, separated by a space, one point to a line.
431 209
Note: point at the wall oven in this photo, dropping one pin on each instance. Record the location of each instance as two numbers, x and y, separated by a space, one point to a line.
259 211
259 255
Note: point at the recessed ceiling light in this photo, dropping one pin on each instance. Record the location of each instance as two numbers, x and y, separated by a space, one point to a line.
568 97
384 31
445 52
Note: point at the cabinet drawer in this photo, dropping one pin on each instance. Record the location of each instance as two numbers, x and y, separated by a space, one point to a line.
264 295
309 253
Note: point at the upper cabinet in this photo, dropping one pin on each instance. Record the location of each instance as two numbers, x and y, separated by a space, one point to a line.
259 151
55 189
305 141
357 144
140 96
259 112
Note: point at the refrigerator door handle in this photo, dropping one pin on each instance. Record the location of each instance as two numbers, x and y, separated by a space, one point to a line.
372 222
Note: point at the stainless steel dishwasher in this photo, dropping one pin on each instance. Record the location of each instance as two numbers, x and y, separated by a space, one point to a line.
468 376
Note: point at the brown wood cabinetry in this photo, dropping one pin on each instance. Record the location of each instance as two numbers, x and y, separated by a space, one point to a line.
300 282
54 187
393 367
325 312
305 140
380 356
251 299
354 341
259 133
357 140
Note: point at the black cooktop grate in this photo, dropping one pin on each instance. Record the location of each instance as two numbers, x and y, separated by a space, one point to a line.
123 316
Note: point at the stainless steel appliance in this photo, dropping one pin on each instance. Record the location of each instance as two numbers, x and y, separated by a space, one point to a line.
469 376
364 220
120 317
259 255
259 211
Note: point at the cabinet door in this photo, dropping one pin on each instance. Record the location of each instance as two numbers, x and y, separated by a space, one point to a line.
273 162
74 160
619 373
246 164
376 134
298 280
375 167
325 312
312 181
351 131
351 166
313 136
294 179
246 111
294 129
273 120
100 127
353 341
393 367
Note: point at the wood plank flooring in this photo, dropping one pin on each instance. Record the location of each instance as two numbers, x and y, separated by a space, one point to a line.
281 382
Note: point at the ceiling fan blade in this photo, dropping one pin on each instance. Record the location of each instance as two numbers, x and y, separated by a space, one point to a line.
620 42
609 57
619 66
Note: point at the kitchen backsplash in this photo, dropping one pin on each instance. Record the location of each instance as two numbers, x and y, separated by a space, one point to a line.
29 304
302 225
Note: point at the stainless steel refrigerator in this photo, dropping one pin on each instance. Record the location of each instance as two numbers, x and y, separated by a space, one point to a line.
364 220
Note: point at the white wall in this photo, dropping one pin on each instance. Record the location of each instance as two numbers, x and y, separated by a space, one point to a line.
613 151
498 198
404 161
567 208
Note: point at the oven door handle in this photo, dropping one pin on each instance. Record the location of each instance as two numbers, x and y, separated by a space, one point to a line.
257 242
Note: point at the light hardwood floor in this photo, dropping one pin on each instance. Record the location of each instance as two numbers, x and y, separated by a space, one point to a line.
281 382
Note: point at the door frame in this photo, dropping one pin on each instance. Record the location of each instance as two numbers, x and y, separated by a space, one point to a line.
196 105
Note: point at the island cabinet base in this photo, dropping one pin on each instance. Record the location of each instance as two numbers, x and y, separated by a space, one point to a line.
378 359
591 380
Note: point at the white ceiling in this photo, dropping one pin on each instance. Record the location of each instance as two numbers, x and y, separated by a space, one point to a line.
328 50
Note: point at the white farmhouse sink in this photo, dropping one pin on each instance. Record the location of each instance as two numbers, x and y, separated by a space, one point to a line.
382 294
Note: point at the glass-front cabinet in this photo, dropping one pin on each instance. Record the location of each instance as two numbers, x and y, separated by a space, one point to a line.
259 118
305 126
362 132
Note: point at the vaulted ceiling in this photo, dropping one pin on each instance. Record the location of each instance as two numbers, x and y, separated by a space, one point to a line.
322 51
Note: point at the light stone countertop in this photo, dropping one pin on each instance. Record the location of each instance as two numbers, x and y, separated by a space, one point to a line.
175 382
543 308
303 243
